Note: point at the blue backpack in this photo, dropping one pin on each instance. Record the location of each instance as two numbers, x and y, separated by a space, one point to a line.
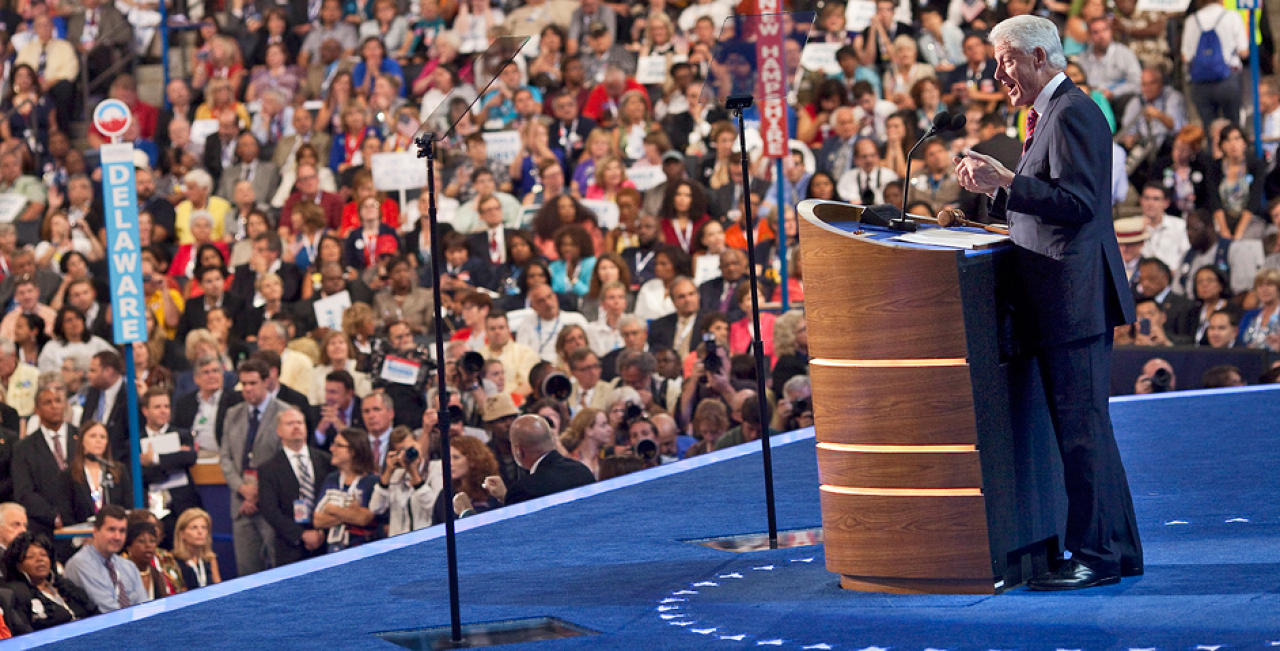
1209 65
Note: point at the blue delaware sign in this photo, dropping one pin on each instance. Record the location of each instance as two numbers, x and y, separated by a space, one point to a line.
124 248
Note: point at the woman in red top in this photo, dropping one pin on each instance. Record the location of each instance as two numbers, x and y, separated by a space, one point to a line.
684 210
363 184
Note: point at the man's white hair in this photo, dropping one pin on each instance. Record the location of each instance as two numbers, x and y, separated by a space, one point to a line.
1026 33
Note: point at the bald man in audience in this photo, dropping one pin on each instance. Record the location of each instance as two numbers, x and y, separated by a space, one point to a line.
533 445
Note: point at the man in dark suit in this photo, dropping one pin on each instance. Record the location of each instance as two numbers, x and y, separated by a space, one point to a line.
568 132
533 445
201 412
994 142
341 409
170 469
283 392
332 281
263 174
212 280
490 245
267 250
1070 289
106 401
678 329
220 146
716 295
836 155
8 441
39 467
101 34
82 295
289 484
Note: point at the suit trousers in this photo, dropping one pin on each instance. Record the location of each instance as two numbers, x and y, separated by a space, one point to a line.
1102 531
254 542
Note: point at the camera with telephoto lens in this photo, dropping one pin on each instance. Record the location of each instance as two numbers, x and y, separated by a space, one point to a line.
1161 380
409 456
557 386
712 361
801 406
646 449
375 365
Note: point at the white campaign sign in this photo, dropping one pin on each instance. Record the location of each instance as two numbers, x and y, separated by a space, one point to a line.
857 15
502 146
329 310
398 170
651 69
606 212
820 57
646 177
1170 6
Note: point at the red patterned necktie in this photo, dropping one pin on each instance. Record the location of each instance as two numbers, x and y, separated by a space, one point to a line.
1032 118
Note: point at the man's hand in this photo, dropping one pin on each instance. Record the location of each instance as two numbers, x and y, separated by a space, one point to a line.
249 507
494 485
981 174
312 539
461 503
148 458
249 492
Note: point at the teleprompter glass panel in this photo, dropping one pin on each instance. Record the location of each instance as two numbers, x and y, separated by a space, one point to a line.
511 631
755 542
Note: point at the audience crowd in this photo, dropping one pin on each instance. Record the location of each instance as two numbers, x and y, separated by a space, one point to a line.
593 254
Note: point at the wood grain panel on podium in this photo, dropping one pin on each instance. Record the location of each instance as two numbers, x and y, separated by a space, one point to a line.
930 405
899 469
871 301
906 537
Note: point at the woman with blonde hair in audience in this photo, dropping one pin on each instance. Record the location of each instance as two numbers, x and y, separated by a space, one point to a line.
223 63
598 147
337 354
662 38
790 348
220 99
471 461
634 123
271 287
96 478
344 496
904 71
710 422
193 547
587 437
1260 327
360 323
610 177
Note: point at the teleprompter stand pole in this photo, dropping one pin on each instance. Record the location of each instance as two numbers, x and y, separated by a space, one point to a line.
737 103
427 150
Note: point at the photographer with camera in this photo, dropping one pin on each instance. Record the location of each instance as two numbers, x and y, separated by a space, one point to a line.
462 373
710 379
403 378
1157 377
637 369
795 407
642 435
409 484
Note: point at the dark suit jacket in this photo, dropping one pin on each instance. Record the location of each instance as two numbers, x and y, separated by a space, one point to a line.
266 178
278 488
830 151
182 497
194 315
14 617
120 492
100 325
555 473
662 331
186 405
357 421
8 440
114 31
479 244
1071 277
23 594
294 397
242 286
117 421
304 311
39 485
213 158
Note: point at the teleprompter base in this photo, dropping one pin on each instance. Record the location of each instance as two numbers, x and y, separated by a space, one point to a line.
511 631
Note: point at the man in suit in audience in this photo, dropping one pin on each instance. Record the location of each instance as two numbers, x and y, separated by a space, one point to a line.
106 401
8 441
170 468
1070 292
212 281
490 244
249 440
283 392
341 409
332 281
304 132
262 174
678 330
635 338
267 250
290 485
534 446
716 295
203 411
39 468
82 296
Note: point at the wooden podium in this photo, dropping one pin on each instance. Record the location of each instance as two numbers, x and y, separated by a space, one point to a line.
938 468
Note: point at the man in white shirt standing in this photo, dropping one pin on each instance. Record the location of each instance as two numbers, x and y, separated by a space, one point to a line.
539 332
1168 240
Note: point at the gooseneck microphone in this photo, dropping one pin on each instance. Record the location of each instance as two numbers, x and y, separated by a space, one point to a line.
942 122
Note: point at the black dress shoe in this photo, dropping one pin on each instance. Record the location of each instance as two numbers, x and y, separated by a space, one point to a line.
1073 575
1130 568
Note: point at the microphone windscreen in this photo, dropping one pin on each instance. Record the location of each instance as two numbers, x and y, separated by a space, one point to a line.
957 122
942 121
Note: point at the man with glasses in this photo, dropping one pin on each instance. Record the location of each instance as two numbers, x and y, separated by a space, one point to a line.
307 188
635 337
588 390
517 359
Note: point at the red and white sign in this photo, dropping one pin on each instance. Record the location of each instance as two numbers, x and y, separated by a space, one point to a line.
772 80
112 117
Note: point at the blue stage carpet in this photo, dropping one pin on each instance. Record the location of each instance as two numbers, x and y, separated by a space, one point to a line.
1202 466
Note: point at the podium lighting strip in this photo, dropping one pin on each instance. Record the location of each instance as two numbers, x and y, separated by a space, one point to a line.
902 492
859 447
890 363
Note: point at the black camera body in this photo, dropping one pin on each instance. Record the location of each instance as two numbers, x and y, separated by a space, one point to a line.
1161 380
557 386
712 360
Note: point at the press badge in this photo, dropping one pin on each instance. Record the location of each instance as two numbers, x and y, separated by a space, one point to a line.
301 511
